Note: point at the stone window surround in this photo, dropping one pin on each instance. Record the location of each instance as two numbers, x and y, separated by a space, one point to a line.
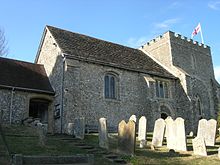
165 87
114 75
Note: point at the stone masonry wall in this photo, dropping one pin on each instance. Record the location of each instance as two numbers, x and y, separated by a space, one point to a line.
18 104
84 95
50 57
192 64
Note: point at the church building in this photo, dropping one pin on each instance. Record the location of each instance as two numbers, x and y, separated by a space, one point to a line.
75 75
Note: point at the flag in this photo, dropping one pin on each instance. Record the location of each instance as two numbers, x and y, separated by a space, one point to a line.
196 30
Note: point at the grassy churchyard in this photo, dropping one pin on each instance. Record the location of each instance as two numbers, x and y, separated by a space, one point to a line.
25 140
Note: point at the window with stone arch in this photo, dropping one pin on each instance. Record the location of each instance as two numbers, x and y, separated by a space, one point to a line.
198 105
162 89
111 86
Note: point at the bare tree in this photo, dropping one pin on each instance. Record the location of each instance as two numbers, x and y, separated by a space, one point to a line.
3 44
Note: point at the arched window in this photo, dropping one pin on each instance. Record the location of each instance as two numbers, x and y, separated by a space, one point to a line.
198 105
110 86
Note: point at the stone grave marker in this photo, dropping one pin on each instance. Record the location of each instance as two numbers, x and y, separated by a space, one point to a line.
170 133
202 128
126 137
79 127
142 128
199 146
180 134
133 118
42 132
70 128
103 133
219 152
207 131
158 132
210 132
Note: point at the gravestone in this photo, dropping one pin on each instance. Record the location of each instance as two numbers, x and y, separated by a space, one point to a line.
207 131
79 127
180 134
126 137
70 128
103 133
142 127
42 131
210 132
201 132
158 132
199 146
133 118
219 152
170 133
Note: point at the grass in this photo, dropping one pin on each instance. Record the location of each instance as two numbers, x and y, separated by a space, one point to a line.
24 140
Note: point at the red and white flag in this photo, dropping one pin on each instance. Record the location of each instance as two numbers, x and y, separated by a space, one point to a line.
196 30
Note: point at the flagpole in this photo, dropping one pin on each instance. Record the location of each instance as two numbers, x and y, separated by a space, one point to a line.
201 34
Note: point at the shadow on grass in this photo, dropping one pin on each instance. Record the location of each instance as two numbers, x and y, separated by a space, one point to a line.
158 154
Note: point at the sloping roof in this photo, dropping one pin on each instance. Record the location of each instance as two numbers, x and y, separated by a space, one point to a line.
24 75
91 49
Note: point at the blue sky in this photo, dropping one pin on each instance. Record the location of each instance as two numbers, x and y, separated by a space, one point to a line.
127 22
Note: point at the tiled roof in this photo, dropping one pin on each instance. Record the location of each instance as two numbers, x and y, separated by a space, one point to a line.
108 53
24 75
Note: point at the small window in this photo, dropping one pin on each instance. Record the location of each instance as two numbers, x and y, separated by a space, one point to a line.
162 90
110 86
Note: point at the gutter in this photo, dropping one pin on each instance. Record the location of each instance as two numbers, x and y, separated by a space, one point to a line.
62 92
119 67
11 105
27 89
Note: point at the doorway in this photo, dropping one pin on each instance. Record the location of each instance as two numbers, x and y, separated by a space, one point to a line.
38 108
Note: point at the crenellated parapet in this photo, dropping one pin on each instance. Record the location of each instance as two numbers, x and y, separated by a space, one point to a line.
176 38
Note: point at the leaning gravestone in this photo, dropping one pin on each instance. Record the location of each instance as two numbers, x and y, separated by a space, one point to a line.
79 127
170 133
210 132
103 133
158 132
199 146
142 127
126 137
133 118
180 134
70 128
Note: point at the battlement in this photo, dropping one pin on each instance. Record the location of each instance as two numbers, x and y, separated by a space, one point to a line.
177 37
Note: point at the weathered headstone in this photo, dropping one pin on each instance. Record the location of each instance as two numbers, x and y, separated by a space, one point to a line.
79 127
42 131
202 128
170 133
219 152
210 132
103 133
180 134
142 128
70 128
126 137
158 132
207 131
199 146
133 118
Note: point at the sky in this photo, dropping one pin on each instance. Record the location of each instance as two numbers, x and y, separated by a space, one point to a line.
127 22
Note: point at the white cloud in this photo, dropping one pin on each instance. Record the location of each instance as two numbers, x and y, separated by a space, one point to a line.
215 5
217 73
166 23
137 42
